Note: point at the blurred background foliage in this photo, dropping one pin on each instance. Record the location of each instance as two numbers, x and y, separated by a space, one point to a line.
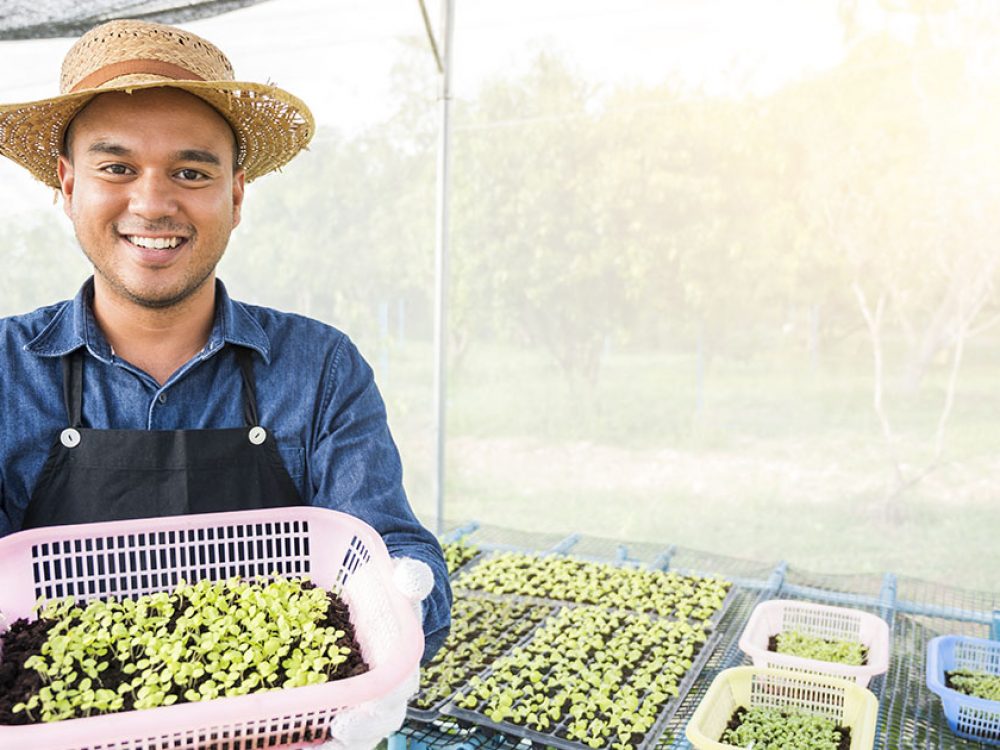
762 324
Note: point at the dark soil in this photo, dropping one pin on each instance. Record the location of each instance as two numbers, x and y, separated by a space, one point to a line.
25 639
16 683
772 645
339 618
737 719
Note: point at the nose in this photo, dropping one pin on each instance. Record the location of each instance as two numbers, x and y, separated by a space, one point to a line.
152 196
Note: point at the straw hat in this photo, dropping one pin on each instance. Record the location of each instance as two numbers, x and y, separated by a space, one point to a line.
271 125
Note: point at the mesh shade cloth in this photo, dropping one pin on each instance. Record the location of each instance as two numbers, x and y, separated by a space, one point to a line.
42 19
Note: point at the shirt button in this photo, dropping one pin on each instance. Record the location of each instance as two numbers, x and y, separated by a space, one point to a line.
162 398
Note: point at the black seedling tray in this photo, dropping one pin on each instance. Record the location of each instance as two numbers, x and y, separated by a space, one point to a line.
651 737
430 714
550 601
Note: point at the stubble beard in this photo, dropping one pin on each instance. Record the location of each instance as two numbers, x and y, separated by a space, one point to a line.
189 285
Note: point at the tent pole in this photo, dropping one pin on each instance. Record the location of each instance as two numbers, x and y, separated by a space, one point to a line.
441 266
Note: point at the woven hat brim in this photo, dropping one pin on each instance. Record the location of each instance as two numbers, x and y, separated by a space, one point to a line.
271 125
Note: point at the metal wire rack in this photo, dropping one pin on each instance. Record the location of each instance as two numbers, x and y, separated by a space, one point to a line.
910 716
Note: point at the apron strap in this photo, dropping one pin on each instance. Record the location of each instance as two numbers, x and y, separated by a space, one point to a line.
244 357
72 367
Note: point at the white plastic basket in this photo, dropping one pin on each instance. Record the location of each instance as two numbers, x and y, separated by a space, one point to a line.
125 558
836 698
834 623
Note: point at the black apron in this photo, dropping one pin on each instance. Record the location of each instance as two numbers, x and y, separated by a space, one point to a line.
110 475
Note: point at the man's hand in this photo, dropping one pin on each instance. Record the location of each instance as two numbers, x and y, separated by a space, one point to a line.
364 726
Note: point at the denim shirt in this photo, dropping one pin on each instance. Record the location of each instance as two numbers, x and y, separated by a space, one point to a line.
315 394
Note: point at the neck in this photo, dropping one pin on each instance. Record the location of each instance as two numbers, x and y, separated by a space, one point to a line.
156 340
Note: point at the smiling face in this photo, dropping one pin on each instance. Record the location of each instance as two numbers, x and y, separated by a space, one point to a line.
150 186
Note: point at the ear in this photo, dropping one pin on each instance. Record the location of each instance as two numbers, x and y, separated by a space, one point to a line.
64 168
239 184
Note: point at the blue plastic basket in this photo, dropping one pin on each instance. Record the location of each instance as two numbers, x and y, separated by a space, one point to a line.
967 716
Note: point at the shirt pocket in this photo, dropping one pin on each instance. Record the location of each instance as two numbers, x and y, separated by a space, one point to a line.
294 459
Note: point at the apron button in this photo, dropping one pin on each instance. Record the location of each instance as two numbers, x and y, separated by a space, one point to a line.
69 437
257 435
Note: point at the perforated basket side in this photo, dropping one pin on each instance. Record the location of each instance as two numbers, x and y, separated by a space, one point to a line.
300 729
967 716
832 623
782 690
727 692
130 564
977 653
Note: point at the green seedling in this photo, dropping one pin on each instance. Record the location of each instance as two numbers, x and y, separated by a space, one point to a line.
197 642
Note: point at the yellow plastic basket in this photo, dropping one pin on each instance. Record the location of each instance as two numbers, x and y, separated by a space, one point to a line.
837 698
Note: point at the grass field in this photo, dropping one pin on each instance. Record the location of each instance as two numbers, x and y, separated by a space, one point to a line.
781 460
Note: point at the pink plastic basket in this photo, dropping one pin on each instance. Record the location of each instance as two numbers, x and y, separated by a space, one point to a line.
124 558
821 620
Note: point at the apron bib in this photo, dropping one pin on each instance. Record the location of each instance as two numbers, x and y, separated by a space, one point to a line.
110 475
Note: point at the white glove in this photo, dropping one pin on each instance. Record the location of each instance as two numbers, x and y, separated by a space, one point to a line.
365 725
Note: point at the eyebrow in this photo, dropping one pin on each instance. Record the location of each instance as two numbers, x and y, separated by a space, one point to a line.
103 147
189 154
197 155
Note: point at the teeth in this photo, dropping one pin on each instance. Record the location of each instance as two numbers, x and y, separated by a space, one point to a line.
154 243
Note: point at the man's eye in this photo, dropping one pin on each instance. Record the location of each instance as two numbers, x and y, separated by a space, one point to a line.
190 174
115 169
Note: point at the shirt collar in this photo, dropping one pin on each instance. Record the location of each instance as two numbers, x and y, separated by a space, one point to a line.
74 326
235 325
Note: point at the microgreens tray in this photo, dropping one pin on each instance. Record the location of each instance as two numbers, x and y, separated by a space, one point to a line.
337 552
482 631
787 729
825 629
558 579
590 678
196 643
972 717
459 555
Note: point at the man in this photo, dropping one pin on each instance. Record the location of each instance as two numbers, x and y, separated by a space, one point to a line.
157 393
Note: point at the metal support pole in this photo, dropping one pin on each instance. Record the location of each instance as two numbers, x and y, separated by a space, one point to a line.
662 560
887 598
777 579
995 626
455 534
441 266
564 545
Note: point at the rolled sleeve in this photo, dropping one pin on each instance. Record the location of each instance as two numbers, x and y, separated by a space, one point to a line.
355 468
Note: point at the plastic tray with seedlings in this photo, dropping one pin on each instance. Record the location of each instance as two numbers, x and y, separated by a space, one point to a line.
778 709
482 630
194 643
589 677
173 617
458 554
565 579
964 672
819 638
